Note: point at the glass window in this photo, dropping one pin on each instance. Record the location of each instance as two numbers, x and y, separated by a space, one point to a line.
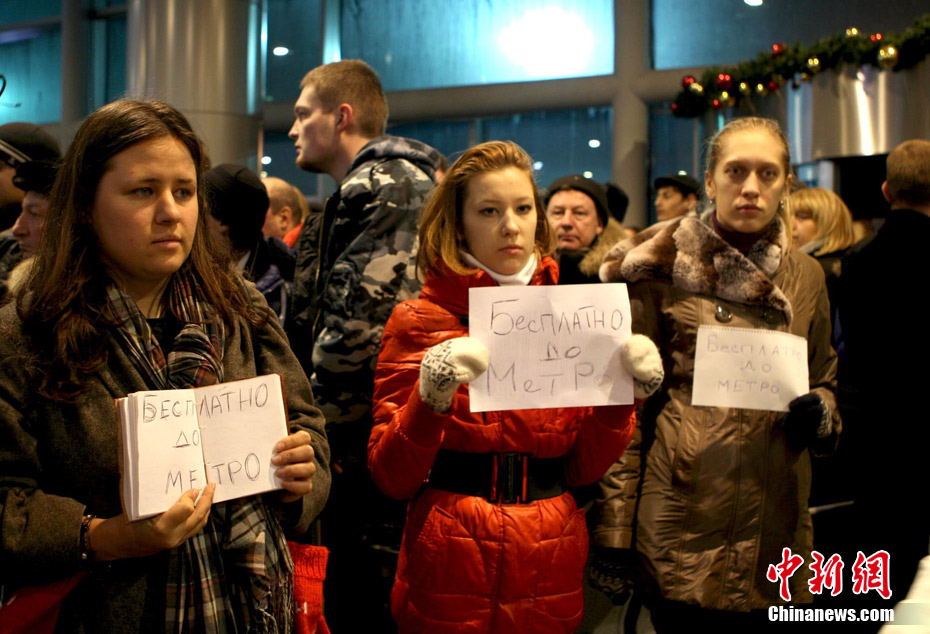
279 154
716 32
33 72
294 45
427 44
108 75
12 11
449 137
560 142
676 146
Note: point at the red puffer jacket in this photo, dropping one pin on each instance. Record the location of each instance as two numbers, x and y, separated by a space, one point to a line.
467 564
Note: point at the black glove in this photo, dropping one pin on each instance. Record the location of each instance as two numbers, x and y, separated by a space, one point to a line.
611 572
807 420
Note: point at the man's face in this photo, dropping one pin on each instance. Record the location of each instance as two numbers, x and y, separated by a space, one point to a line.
573 217
314 133
31 222
9 193
670 203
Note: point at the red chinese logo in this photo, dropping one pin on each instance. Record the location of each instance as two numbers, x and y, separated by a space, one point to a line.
826 575
871 573
783 571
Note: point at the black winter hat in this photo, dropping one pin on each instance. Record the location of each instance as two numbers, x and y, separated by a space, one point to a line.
21 142
36 176
682 182
593 189
237 197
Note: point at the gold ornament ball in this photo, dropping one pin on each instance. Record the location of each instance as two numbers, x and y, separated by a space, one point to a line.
761 90
887 57
696 89
852 32
727 99
813 64
744 88
806 77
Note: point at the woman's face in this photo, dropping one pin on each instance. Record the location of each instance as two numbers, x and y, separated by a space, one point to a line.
499 219
803 228
749 181
145 213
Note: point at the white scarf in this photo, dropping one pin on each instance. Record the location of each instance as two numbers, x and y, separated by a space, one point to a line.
520 278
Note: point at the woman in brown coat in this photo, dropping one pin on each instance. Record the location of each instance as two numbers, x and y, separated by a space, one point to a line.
721 491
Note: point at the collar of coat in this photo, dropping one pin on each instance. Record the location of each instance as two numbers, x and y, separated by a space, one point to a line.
612 234
450 290
687 253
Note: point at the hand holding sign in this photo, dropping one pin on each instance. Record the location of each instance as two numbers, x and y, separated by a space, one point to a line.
551 346
446 366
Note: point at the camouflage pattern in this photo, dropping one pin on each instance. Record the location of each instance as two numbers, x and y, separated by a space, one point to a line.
356 261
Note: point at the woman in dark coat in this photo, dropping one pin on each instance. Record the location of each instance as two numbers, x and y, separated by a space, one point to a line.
127 294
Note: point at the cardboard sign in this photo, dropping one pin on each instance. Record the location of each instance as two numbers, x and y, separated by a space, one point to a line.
749 368
551 346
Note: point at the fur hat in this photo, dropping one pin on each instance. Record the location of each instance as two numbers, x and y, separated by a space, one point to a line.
21 142
682 182
36 176
593 189
237 197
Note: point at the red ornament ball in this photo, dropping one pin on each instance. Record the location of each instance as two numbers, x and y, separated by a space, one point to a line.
687 81
778 48
717 104
724 81
773 85
876 37
674 107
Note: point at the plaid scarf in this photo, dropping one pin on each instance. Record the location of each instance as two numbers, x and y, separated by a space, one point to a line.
236 575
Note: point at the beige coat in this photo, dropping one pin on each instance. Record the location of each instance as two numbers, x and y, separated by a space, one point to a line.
719 494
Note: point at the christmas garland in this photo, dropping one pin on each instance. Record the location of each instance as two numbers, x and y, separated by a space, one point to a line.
722 87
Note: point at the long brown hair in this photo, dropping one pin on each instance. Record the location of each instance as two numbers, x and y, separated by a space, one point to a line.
61 304
441 236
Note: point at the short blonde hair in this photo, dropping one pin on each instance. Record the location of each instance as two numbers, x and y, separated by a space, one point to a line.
441 235
833 218
354 82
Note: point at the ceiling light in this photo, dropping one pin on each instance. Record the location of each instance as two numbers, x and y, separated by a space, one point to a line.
280 51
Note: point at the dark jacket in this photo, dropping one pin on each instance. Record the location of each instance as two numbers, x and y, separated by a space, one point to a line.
581 266
715 493
355 262
271 267
59 461
486 567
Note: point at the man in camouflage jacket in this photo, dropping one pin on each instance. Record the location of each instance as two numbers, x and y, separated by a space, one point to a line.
355 262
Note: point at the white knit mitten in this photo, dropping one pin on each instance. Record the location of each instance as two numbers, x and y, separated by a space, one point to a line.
641 359
446 366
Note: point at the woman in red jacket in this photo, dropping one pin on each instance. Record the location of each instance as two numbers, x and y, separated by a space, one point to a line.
493 541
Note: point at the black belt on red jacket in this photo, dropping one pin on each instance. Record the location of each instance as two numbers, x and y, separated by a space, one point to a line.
508 478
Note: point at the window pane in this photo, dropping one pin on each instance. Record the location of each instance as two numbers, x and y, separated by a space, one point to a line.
280 150
293 25
427 44
560 141
449 137
33 72
116 57
676 146
715 32
12 11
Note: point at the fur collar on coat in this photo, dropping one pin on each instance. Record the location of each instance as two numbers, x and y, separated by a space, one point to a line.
686 253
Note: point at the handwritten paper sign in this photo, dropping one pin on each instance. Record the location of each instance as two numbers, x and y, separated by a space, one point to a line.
551 346
176 440
749 369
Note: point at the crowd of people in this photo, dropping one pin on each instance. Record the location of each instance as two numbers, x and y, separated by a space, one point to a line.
131 264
